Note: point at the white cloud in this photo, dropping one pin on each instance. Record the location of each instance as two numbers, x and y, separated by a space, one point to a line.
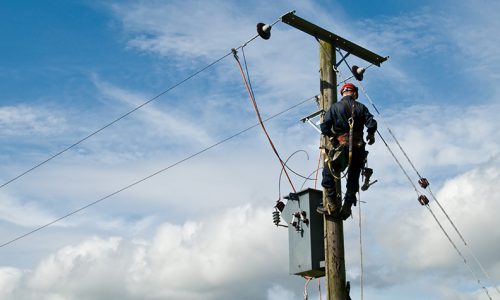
227 253
9 278
441 136
25 214
477 38
402 240
25 120
195 31
469 198
173 125
277 292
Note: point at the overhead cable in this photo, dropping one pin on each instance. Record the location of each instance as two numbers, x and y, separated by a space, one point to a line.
152 175
257 112
414 186
124 115
424 186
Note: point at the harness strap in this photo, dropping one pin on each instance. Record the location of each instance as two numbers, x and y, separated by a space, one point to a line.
351 135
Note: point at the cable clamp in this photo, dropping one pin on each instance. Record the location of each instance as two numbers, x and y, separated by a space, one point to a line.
423 200
235 53
423 182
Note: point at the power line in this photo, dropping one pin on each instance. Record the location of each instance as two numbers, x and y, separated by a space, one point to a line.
154 174
422 185
124 115
252 98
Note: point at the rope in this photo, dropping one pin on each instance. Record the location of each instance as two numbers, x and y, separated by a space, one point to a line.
308 279
154 174
317 171
319 289
252 98
361 249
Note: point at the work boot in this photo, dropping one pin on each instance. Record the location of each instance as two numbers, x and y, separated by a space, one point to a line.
346 211
349 200
331 208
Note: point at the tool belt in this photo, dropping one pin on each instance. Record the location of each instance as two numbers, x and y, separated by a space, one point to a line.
357 140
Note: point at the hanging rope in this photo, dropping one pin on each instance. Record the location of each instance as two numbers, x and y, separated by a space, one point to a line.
308 279
319 289
317 171
360 248
252 98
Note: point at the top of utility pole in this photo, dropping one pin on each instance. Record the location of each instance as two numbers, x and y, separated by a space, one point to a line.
330 43
329 37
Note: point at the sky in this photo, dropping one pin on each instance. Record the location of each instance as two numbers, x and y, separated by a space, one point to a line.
202 228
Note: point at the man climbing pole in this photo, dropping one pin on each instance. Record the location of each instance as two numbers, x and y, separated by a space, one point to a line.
343 124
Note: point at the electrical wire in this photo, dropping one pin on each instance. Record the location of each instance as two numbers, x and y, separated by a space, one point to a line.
459 253
310 177
126 114
418 193
252 98
432 194
286 165
411 182
152 175
420 177
430 210
114 121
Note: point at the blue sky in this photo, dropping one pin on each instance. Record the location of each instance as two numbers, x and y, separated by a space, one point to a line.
203 229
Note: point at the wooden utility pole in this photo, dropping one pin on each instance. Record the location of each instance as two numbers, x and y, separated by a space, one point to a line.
329 43
334 232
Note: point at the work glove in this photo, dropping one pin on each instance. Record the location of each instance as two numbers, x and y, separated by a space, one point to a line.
370 138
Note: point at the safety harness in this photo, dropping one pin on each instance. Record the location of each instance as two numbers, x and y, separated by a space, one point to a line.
343 140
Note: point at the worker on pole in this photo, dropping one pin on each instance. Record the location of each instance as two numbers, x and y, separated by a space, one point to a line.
344 124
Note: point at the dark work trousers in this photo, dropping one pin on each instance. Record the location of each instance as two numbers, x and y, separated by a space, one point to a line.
353 173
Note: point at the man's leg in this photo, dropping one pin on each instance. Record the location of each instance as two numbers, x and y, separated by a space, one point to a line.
328 182
353 181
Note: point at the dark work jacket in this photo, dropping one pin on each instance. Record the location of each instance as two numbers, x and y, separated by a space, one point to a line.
336 122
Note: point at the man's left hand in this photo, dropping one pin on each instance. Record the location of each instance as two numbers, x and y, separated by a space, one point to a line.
370 138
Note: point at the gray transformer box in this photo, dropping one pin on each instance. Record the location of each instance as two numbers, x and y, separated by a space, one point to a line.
305 233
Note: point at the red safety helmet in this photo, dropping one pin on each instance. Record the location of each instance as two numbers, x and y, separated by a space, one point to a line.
348 87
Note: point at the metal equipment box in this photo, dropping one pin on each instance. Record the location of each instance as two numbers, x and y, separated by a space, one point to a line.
305 233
